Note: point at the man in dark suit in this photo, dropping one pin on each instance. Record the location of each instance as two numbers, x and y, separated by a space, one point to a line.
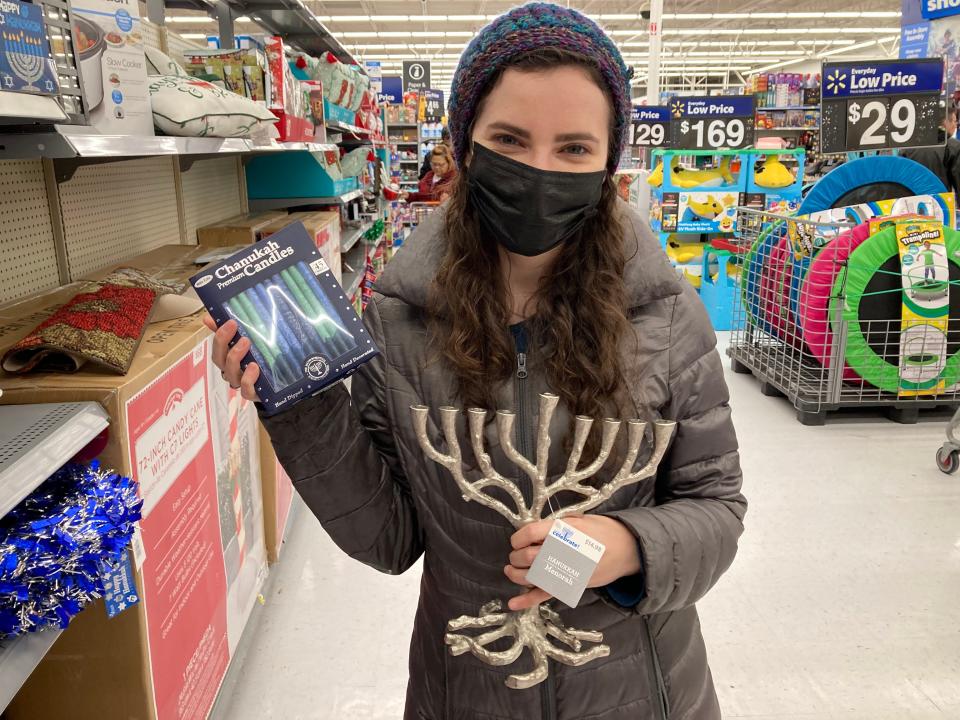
943 160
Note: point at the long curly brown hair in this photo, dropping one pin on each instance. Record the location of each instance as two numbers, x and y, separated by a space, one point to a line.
581 305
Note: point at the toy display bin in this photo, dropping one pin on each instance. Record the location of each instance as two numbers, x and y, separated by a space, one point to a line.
697 201
718 288
293 175
767 171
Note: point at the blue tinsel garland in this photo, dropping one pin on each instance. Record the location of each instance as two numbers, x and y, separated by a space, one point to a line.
57 545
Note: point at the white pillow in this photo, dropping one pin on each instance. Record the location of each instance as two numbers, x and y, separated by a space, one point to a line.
159 63
190 107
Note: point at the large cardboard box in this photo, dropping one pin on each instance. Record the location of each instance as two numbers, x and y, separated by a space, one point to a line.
193 446
238 230
277 497
323 227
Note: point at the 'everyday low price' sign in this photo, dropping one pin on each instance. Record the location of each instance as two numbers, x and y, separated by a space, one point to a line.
886 104
712 123
650 126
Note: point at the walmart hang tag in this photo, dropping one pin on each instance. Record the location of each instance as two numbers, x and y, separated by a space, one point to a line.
565 563
120 588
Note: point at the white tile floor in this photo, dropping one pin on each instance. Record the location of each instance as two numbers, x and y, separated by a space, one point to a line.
843 604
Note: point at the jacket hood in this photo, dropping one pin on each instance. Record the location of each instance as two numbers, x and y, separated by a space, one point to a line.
648 273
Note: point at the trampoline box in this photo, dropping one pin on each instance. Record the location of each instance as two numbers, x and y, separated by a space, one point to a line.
199 560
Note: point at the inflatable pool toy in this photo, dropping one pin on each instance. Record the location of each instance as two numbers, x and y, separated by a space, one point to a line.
773 174
688 178
713 177
698 211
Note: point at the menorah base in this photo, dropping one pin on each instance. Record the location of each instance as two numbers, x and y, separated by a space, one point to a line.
530 629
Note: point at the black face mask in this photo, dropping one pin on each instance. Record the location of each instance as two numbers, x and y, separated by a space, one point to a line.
530 211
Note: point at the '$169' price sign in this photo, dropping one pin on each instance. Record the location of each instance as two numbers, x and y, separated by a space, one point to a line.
712 123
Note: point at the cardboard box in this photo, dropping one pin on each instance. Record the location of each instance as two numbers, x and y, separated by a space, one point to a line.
277 497
109 47
324 228
238 230
193 446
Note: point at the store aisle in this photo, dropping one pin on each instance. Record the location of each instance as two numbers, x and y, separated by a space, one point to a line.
844 602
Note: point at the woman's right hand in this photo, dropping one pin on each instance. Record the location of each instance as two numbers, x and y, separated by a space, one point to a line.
228 359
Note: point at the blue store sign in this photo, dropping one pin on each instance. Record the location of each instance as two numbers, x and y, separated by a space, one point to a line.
895 77
932 9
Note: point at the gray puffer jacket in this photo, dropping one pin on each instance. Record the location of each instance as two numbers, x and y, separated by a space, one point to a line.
359 468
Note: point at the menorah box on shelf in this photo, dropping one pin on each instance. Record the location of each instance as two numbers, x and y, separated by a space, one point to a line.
237 230
193 445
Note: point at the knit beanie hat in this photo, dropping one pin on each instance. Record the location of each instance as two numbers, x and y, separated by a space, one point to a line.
532 27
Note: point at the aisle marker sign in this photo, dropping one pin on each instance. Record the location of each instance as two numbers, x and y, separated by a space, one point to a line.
712 123
885 104
416 75
650 126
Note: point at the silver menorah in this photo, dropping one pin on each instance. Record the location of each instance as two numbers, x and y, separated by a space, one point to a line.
533 628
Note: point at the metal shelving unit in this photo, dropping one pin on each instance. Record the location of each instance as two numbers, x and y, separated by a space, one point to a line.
278 203
69 142
19 658
36 440
352 238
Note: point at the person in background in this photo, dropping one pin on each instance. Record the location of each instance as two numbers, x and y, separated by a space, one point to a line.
436 184
942 160
425 168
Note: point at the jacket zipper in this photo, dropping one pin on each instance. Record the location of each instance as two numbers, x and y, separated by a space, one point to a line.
548 693
657 685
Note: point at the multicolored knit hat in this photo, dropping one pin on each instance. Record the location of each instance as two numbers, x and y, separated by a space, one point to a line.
526 28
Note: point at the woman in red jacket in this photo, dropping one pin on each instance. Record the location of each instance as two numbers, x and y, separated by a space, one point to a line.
437 183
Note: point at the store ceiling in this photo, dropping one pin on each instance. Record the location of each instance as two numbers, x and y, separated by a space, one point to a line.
707 43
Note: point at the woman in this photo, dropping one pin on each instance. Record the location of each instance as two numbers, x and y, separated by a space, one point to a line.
533 277
436 184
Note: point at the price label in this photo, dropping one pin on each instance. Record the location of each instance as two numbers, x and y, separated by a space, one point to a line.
713 123
650 127
433 105
888 104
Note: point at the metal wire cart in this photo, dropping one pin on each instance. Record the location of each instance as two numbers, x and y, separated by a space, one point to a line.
818 319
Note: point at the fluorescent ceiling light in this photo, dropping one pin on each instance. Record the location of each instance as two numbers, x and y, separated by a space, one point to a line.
188 19
194 36
858 46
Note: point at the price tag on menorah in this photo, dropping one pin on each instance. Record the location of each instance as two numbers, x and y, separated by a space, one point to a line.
650 126
884 104
713 123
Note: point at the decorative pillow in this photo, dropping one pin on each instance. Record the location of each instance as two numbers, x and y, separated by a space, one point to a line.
159 63
190 107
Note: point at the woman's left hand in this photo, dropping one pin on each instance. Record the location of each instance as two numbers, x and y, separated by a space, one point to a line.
621 557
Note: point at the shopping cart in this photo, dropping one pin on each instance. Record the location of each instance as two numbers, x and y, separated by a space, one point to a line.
948 456
815 323
418 212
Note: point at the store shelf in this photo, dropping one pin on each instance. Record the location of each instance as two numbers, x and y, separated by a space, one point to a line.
344 128
73 142
36 440
353 237
782 109
404 142
259 205
787 129
402 125
18 659
409 162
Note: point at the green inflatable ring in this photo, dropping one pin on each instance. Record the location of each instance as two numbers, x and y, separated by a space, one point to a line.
852 283
753 264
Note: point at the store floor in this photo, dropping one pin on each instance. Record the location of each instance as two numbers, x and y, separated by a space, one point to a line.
843 603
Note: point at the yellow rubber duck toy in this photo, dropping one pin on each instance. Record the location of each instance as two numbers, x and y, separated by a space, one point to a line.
773 174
